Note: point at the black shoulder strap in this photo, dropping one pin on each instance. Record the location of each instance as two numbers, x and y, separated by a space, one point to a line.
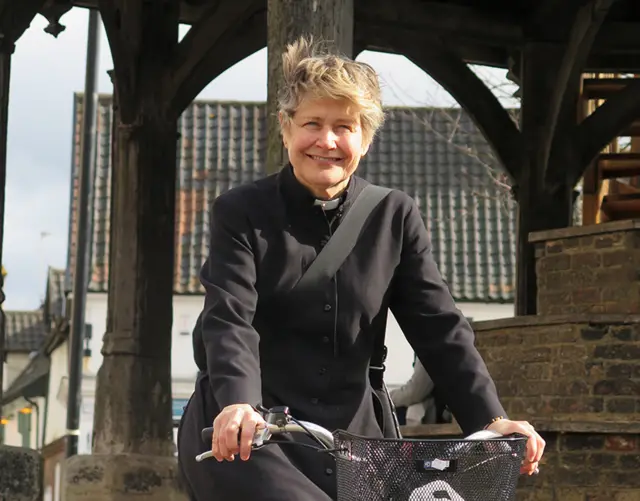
342 242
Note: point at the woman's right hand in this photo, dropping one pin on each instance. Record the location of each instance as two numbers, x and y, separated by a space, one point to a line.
234 419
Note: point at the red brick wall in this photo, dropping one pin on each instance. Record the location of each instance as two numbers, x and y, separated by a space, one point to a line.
589 269
577 379
586 467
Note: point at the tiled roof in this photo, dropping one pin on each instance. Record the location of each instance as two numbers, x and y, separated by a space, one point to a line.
437 156
54 305
25 330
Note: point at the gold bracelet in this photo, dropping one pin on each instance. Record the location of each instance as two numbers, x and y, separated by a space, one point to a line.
495 419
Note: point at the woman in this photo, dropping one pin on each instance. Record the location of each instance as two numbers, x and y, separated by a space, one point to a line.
258 344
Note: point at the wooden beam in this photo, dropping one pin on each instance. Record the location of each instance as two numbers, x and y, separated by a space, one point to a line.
551 17
230 32
16 17
367 35
613 63
436 59
606 122
617 37
329 20
453 22
586 23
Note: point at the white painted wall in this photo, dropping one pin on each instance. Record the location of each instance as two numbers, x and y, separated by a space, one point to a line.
13 366
11 434
185 312
400 354
183 368
58 393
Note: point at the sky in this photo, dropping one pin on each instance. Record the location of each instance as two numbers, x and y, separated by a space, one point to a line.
45 74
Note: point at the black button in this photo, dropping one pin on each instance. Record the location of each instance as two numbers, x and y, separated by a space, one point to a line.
314 400
327 307
329 471
322 371
325 339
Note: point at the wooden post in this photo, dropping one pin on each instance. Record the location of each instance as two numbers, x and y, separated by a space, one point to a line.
133 387
6 51
329 20
539 207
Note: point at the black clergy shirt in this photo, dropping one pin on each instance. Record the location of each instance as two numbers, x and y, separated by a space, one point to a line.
259 344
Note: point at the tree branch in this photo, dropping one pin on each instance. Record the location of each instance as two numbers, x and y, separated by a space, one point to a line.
229 32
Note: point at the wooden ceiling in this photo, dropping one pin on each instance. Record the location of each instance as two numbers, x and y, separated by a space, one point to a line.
490 32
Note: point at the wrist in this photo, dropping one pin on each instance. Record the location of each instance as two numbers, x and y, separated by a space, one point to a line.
494 420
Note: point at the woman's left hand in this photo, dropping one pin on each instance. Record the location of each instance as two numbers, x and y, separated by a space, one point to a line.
535 444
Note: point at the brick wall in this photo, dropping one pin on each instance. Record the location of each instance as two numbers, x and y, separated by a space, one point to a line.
589 269
586 467
580 368
577 379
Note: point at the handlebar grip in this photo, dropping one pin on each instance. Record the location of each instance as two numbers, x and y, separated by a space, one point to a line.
207 435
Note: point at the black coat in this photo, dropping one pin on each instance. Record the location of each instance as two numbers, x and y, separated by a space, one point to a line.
258 344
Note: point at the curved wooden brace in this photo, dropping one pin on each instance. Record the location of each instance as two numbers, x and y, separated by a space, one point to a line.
140 34
586 24
212 46
448 69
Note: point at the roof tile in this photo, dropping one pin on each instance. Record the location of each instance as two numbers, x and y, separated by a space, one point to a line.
437 156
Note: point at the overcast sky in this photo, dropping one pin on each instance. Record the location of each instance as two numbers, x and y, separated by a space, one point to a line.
45 74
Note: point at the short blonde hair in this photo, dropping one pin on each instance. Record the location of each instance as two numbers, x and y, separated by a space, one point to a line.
309 70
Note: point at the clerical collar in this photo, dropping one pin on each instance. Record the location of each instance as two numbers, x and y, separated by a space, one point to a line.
296 193
329 204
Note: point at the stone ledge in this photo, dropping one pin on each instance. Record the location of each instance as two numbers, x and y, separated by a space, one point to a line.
544 320
122 477
560 424
20 474
574 426
580 231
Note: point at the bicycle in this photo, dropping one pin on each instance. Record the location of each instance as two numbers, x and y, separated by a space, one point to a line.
484 466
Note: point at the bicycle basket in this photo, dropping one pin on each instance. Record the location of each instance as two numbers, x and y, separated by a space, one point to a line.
372 469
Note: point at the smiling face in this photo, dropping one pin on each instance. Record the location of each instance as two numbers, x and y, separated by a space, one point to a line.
325 143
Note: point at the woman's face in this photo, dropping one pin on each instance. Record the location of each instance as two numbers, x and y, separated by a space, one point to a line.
325 144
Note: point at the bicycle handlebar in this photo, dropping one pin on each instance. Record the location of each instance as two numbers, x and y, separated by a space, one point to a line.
279 421
264 434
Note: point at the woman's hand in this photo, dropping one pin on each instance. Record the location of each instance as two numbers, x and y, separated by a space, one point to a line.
535 444
234 419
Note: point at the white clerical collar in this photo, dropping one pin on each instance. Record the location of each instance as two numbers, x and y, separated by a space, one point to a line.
328 204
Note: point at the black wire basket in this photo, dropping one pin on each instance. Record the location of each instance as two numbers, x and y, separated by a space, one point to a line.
373 469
